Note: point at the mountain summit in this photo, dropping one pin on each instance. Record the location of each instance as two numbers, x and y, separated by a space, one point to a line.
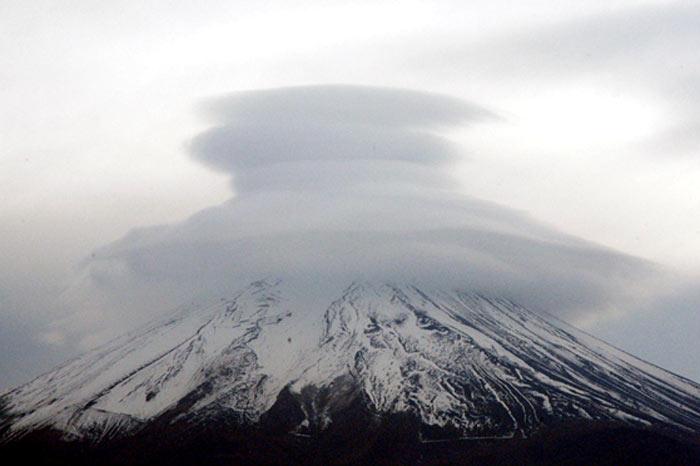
458 365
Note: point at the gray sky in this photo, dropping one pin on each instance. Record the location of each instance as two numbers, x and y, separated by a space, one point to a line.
580 118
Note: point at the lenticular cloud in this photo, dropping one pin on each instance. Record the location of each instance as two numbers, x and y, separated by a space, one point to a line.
342 183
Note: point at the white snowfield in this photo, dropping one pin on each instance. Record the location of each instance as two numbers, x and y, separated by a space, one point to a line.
482 366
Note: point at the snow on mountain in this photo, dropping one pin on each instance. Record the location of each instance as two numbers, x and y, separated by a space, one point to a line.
478 365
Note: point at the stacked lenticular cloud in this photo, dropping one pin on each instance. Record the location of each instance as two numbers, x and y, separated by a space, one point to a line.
342 183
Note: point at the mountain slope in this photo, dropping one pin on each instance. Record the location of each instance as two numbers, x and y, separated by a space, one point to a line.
463 364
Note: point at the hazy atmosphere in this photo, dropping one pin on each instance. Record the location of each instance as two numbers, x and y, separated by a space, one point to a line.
156 152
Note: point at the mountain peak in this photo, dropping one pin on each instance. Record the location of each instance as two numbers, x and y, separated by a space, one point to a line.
463 364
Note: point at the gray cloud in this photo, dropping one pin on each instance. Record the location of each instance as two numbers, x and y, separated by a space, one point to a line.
650 49
657 39
683 137
24 352
665 330
331 188
681 140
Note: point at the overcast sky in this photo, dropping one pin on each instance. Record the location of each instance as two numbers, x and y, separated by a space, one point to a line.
575 120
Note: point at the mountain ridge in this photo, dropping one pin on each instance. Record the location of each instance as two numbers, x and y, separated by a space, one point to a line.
465 364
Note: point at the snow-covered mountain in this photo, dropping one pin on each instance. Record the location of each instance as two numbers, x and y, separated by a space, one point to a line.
464 364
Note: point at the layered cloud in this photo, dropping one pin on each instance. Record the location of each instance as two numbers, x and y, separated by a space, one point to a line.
342 183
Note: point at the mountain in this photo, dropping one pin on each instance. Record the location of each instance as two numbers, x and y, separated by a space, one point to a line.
285 369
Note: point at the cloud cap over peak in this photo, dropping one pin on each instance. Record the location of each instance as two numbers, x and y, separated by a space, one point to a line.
339 183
